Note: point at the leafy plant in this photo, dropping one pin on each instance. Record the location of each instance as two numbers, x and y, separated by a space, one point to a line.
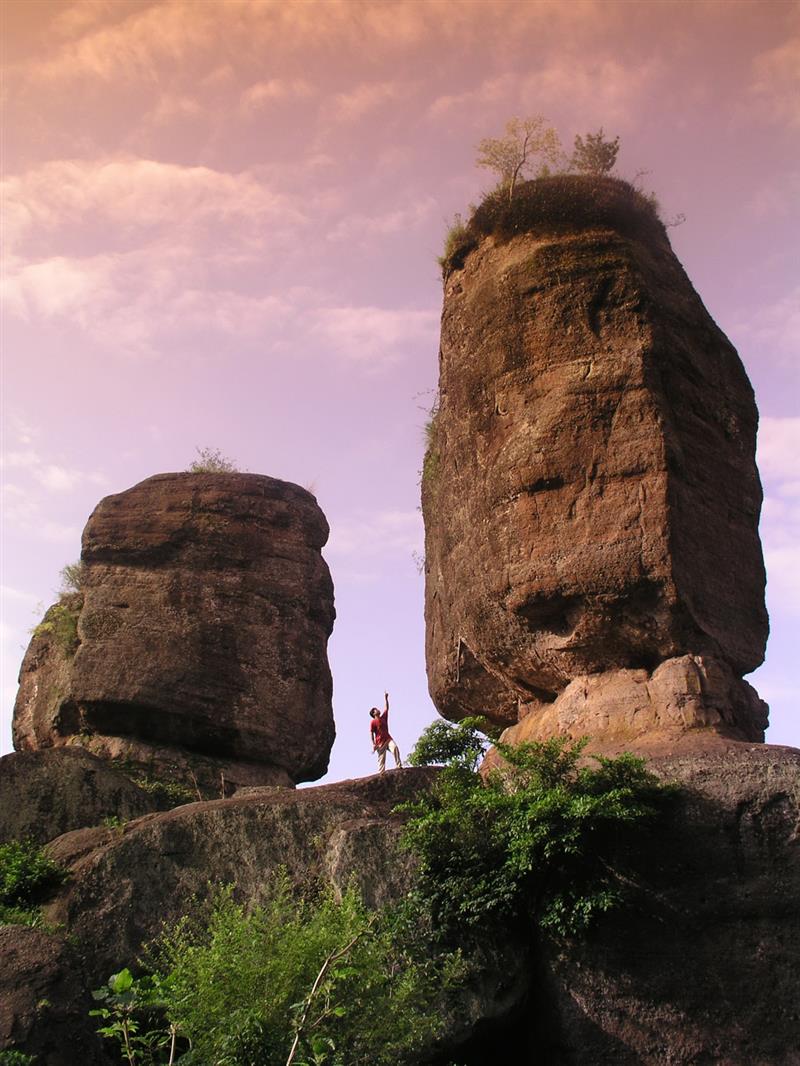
458 243
130 1015
594 155
168 793
315 981
443 743
10 1057
61 623
534 842
73 577
212 461
27 876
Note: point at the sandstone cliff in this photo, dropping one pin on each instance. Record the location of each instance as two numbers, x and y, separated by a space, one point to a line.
590 496
197 645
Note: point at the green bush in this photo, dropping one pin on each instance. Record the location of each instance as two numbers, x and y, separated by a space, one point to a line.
443 743
312 981
61 623
73 577
535 842
9 1057
27 877
458 243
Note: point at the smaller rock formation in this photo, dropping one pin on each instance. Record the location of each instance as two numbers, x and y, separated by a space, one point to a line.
196 645
46 793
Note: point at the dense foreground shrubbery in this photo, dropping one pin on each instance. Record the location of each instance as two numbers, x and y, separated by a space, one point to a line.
326 981
307 981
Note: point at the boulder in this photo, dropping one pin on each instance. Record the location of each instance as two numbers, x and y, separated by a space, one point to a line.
590 495
46 793
44 1002
195 647
704 965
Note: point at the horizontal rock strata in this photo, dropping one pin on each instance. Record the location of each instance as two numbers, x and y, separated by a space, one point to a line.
197 647
590 494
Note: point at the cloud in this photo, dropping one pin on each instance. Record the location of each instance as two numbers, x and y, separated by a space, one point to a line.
133 195
775 83
367 98
375 336
256 96
774 328
382 534
143 247
356 227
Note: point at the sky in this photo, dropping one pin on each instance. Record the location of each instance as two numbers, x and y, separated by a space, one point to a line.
221 220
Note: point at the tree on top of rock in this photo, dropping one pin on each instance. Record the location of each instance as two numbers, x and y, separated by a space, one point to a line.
594 155
526 140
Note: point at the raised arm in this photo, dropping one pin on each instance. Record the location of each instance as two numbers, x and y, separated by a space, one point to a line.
386 696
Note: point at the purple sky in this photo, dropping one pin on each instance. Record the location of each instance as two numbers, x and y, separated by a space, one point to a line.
221 222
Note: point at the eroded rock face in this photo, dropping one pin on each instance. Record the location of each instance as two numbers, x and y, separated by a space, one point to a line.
46 793
198 647
591 498
703 967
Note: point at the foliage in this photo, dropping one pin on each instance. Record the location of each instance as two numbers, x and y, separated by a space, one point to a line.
321 981
27 876
166 793
525 141
430 463
594 155
10 1057
458 243
443 743
534 842
566 202
61 623
73 577
212 461
130 1015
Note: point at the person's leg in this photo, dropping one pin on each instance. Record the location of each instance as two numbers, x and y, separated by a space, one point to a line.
382 759
393 748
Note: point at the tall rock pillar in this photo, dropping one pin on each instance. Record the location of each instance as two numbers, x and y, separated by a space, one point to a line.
590 495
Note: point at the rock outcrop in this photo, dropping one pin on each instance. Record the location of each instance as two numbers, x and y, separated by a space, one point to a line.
125 882
590 495
195 647
700 967
46 793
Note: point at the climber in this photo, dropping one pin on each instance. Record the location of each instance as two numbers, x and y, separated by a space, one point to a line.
381 738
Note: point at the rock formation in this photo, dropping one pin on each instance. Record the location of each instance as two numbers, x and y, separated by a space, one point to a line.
46 793
590 495
195 647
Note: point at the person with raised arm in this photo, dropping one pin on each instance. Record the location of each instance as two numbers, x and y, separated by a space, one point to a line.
381 737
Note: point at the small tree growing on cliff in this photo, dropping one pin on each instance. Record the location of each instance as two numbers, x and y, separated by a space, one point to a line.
526 141
594 155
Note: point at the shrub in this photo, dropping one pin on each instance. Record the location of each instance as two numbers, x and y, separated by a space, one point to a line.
442 743
535 842
595 155
315 980
10 1057
458 243
61 623
212 461
73 577
27 877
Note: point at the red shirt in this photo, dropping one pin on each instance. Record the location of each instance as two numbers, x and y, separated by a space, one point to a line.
379 728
